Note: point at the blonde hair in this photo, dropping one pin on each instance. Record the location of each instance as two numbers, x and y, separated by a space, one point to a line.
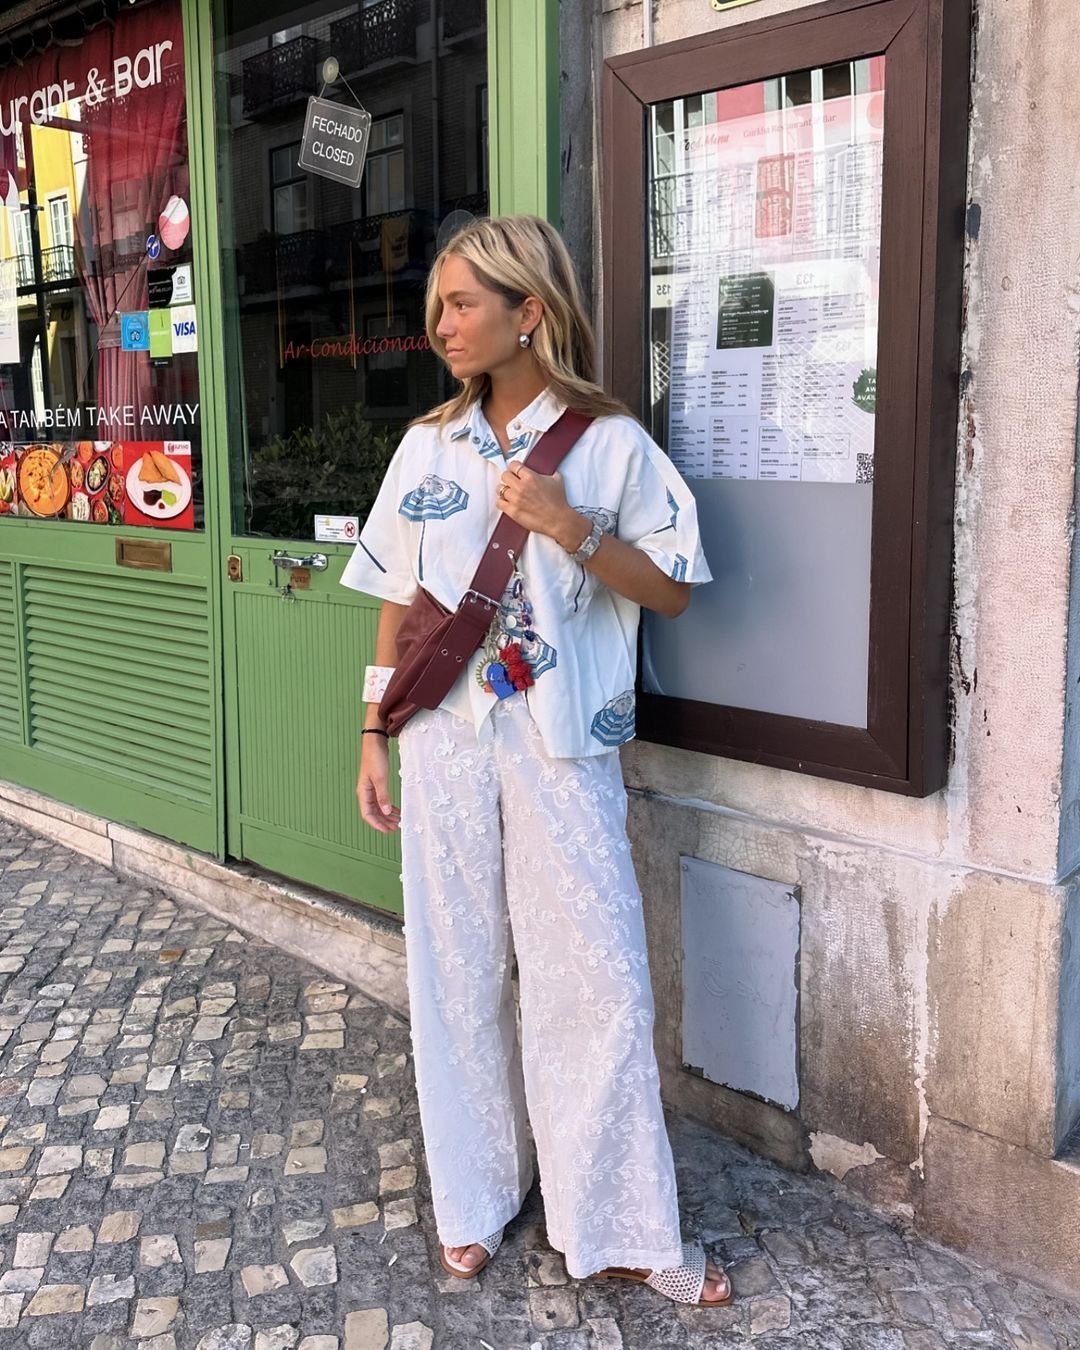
519 256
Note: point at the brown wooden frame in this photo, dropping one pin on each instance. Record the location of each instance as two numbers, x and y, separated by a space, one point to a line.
904 747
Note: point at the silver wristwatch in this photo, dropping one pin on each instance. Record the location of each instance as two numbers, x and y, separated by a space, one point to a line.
590 545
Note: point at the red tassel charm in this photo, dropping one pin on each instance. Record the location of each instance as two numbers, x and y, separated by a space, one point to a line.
518 671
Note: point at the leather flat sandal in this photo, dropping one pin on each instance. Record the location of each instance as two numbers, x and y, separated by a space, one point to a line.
681 1284
490 1245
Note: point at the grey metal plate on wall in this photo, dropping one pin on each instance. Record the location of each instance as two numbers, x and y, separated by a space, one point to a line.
740 980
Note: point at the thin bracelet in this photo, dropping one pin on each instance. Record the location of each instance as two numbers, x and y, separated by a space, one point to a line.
375 731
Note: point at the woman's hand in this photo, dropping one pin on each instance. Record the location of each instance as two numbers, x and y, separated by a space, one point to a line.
373 786
538 501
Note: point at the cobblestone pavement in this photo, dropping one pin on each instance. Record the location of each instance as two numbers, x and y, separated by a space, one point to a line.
205 1143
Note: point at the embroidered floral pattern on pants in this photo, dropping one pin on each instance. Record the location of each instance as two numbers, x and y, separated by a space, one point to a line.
504 848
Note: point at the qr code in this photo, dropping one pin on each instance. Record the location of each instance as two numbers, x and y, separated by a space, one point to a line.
864 468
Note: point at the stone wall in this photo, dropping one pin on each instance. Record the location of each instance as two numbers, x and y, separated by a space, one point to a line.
939 979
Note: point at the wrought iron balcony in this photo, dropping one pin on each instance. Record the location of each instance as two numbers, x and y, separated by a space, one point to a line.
375 34
285 262
398 237
279 76
461 18
320 259
57 264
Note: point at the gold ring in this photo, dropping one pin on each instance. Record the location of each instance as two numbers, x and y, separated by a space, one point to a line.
502 489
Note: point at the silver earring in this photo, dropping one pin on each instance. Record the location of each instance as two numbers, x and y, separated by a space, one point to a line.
525 340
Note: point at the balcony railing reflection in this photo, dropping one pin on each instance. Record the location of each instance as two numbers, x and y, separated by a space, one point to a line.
279 76
57 264
396 240
322 258
462 17
285 262
375 33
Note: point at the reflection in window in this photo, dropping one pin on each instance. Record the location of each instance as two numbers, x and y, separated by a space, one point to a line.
60 235
384 174
324 284
290 190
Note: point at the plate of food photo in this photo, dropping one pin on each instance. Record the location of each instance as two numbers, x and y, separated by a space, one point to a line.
157 486
96 475
44 486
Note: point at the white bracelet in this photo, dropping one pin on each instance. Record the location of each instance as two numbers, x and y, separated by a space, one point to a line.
376 678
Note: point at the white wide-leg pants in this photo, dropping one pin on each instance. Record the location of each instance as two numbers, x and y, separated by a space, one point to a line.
502 845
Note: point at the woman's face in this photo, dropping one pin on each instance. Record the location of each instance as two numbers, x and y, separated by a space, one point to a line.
479 328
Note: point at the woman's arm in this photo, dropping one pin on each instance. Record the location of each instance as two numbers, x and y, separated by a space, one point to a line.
625 569
373 782
538 502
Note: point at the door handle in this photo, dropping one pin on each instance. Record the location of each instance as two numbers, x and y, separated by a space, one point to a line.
316 561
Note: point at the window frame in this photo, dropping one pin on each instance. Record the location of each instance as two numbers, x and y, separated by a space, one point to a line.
926 44
383 154
297 178
51 198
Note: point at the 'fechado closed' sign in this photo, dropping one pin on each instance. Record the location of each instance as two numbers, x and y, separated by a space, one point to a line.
335 141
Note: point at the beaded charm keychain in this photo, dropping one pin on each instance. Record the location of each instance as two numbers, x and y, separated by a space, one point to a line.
505 669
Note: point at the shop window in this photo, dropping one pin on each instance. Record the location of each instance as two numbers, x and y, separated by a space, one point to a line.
384 173
99 400
324 313
289 188
787 323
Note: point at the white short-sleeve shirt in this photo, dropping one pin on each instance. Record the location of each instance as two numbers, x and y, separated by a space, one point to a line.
436 511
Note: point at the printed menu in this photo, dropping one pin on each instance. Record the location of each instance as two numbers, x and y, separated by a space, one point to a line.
99 482
774 237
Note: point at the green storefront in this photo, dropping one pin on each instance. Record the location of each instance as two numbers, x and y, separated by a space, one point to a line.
206 358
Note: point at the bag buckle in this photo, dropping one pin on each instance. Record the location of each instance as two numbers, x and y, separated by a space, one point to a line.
481 597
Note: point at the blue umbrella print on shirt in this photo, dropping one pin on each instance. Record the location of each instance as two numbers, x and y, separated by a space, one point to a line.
614 723
674 505
432 499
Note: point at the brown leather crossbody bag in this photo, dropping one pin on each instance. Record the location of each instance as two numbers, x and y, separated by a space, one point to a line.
435 643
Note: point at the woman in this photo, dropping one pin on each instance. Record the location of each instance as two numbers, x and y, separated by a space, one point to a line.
513 807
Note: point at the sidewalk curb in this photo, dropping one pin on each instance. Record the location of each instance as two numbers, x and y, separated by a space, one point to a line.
362 946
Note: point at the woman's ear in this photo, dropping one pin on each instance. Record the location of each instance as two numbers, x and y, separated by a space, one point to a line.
532 311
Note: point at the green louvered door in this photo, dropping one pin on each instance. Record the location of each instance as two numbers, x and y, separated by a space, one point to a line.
11 725
101 696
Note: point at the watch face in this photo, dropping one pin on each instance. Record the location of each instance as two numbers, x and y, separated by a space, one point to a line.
590 545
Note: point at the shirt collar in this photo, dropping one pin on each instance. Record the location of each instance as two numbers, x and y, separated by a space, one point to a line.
524 430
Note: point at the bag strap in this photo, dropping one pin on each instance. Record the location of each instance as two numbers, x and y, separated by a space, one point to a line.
509 537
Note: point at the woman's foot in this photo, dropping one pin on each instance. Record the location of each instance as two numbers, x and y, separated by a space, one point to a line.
717 1286
465 1262
697 1282
467 1257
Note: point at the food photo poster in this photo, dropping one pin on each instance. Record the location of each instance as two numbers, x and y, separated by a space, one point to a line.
99 482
